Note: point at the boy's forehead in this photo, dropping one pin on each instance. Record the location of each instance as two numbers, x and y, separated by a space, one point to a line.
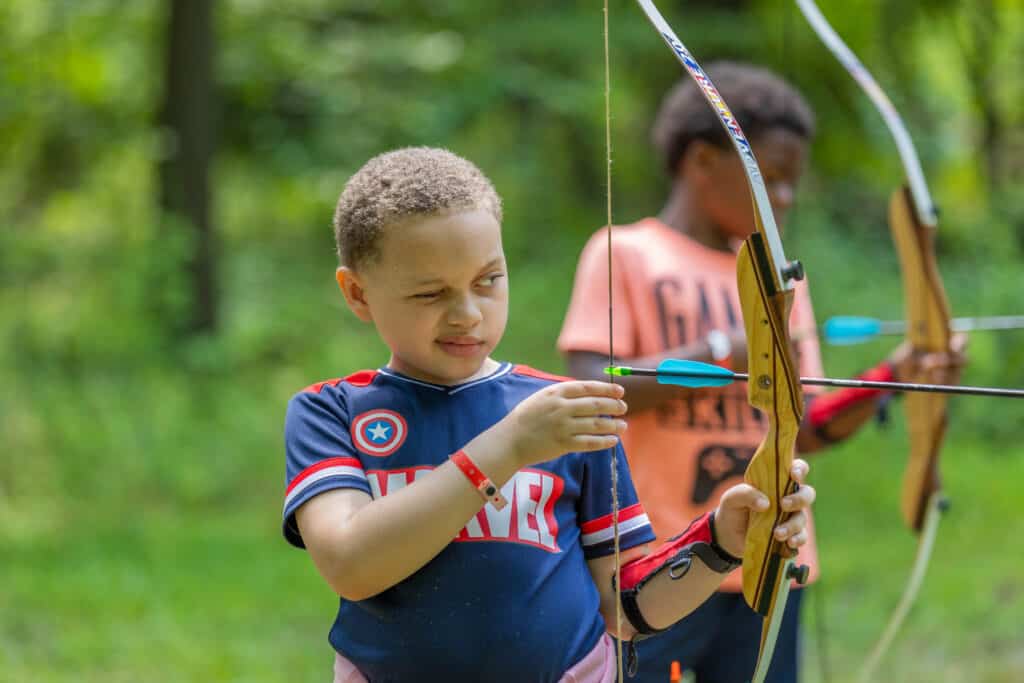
779 142
435 246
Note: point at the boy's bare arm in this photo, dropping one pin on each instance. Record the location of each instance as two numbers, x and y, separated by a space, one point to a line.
363 546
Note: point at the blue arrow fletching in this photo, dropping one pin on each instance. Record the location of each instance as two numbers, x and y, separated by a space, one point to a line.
851 329
690 373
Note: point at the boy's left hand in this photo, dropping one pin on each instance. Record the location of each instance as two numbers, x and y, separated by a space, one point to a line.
733 514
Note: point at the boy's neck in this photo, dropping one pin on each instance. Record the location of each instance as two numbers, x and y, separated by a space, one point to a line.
682 213
488 367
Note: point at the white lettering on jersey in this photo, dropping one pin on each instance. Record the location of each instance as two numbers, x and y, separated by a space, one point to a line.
529 519
526 506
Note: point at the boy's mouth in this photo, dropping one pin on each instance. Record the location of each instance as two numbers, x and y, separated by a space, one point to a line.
461 347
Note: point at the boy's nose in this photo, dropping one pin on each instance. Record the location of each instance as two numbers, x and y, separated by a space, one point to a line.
781 196
464 312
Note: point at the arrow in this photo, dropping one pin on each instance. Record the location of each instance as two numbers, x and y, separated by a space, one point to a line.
694 374
852 329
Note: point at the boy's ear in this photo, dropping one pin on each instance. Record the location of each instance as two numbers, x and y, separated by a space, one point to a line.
355 295
699 158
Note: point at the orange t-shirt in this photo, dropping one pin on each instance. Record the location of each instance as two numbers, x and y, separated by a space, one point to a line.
669 291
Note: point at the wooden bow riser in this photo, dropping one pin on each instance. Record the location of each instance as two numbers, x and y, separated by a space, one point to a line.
927 314
775 390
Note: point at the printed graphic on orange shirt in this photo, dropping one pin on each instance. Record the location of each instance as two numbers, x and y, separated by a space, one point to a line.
670 297
713 412
717 464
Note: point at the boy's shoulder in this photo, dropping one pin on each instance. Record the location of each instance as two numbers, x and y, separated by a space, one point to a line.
521 370
334 395
358 379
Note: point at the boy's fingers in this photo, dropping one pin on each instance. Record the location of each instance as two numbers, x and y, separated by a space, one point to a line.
791 527
586 407
591 388
801 499
958 344
744 496
797 540
799 470
599 425
588 442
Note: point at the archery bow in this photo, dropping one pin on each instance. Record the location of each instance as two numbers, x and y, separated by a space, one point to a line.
765 278
913 219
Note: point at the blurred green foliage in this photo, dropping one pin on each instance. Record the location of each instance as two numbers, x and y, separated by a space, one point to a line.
141 472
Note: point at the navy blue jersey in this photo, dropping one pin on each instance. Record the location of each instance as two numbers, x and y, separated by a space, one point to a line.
511 597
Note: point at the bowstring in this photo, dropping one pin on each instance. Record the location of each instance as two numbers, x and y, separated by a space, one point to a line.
611 346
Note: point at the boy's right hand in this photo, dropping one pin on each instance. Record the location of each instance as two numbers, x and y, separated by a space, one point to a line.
565 417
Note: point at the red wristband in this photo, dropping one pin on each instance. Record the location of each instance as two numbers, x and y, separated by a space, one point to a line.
488 491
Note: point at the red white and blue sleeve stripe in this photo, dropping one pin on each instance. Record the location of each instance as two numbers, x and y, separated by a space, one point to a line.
331 473
598 535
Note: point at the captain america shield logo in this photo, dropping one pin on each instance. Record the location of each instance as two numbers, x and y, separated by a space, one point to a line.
379 432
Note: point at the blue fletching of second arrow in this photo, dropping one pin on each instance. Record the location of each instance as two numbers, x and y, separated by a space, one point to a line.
851 329
691 373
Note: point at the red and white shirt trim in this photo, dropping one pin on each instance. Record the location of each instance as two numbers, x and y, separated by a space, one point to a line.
331 467
600 530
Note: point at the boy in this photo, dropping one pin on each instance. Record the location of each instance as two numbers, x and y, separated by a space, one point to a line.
676 297
460 506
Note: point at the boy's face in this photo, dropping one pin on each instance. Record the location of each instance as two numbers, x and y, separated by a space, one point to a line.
438 295
722 183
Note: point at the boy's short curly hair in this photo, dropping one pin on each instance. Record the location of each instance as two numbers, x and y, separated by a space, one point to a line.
404 183
759 99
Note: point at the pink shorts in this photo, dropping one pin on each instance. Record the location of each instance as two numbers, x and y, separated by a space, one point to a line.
597 667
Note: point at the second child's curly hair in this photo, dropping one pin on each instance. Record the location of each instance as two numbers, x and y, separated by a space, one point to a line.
759 99
403 184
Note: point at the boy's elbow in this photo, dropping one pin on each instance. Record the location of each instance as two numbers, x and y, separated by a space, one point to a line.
343 576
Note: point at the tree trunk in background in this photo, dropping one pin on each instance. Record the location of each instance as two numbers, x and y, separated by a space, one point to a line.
978 45
187 120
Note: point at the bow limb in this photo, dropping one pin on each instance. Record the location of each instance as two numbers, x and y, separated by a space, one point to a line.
912 220
927 214
928 331
765 279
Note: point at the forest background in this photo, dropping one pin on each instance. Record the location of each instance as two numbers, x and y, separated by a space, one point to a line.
166 284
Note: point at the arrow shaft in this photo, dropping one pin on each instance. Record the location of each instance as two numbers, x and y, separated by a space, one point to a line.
999 322
847 383
996 322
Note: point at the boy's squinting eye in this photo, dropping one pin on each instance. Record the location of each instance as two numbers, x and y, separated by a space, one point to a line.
490 280
427 295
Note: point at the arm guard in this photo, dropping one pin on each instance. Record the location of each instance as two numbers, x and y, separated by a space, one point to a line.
676 555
